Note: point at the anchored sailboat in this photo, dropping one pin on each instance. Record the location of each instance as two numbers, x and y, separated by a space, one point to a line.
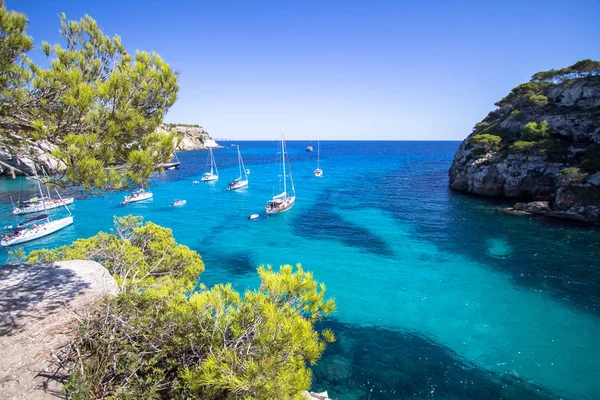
30 230
242 181
170 165
284 200
318 171
213 175
41 203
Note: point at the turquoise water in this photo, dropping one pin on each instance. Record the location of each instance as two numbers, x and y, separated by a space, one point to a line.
440 296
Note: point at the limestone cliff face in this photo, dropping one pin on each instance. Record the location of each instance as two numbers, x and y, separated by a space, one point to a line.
543 144
192 137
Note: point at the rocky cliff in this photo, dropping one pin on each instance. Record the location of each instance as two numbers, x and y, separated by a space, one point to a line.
190 137
541 144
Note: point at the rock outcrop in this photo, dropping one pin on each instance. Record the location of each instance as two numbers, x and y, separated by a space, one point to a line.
192 137
40 305
541 144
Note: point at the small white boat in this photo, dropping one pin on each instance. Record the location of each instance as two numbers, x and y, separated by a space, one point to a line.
196 182
285 200
34 228
318 171
178 203
36 204
309 148
253 216
213 175
138 195
36 231
242 181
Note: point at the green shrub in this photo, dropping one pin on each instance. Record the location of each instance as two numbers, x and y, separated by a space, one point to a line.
536 131
158 340
522 146
517 115
539 99
486 139
571 175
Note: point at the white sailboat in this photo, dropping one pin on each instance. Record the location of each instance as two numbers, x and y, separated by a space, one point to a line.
213 175
30 230
38 204
242 181
138 195
284 200
318 171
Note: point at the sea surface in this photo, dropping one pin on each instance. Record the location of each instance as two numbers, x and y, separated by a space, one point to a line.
439 294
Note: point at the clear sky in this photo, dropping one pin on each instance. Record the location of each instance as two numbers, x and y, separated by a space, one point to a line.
340 69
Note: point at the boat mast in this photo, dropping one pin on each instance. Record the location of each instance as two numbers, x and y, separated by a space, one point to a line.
41 193
63 202
318 154
47 188
283 160
239 161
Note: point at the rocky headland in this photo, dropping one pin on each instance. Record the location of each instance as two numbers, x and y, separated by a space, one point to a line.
540 146
189 137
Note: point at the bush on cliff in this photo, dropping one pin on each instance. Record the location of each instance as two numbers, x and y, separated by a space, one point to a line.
96 105
536 131
160 340
487 140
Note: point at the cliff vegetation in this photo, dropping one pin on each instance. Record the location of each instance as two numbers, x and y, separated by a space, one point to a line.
164 337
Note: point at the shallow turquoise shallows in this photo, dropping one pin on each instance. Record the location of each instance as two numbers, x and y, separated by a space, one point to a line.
439 295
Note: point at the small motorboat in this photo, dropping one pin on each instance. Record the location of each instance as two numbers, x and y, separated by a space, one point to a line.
138 195
309 148
179 203
253 216
196 183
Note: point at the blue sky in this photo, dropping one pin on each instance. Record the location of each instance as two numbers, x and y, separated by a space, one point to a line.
395 70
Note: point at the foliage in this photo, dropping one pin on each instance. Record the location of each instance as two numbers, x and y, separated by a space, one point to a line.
522 146
487 140
571 175
536 131
138 255
517 115
591 159
157 341
580 69
95 104
14 43
539 99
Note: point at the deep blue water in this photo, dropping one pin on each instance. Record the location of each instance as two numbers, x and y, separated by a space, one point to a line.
440 295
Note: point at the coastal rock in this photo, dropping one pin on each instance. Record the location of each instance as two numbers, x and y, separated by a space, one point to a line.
500 159
315 396
190 138
40 305
193 137
21 164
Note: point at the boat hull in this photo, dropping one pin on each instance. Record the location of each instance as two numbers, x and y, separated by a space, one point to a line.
281 207
237 185
318 173
209 178
50 204
134 199
42 230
